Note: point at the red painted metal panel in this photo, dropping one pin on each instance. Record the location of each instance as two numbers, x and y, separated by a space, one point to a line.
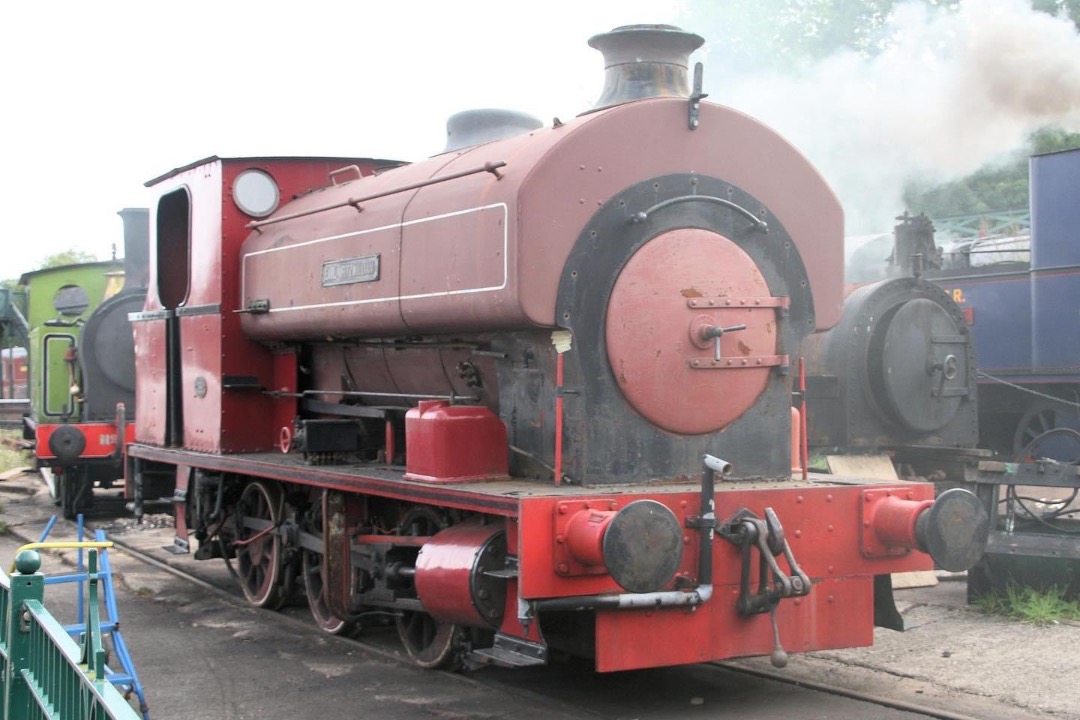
459 443
284 262
511 623
248 417
838 613
150 390
459 249
594 162
219 418
822 525
200 362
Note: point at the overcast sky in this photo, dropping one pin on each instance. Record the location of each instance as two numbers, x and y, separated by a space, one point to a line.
100 97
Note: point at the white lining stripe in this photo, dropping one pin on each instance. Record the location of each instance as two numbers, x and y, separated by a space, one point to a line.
443 293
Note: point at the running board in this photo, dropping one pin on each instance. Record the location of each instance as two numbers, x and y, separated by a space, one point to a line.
511 652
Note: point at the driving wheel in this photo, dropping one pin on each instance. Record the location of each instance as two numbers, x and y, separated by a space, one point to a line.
429 642
258 545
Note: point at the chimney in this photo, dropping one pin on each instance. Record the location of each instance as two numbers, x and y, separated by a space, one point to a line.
644 61
136 247
476 127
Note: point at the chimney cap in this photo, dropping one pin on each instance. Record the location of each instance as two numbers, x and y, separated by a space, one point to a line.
644 61
665 43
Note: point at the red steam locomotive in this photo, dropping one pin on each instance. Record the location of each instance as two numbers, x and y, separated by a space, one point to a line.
533 393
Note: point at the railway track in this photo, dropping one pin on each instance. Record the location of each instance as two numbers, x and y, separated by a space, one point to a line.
761 695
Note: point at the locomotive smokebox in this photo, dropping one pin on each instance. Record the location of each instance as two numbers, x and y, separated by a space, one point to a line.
644 61
898 370
107 352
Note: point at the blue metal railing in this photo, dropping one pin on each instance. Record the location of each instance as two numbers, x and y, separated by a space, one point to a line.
125 678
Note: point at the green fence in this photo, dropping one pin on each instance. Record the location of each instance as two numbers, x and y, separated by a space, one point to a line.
46 674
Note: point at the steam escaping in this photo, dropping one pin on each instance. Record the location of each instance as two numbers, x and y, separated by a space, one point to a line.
955 90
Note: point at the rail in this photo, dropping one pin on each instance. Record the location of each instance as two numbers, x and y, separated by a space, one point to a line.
45 674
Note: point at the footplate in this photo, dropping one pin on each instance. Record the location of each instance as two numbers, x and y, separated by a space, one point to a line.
508 651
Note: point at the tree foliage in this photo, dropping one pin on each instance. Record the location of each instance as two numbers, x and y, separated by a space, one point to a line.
71 256
790 35
998 188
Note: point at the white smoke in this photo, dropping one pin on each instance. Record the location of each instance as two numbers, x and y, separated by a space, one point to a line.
953 91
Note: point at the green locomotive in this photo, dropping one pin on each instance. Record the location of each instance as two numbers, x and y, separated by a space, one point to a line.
82 366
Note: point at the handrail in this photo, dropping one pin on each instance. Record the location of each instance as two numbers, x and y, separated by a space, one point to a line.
355 203
60 545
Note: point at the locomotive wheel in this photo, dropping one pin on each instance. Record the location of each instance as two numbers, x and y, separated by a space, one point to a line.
258 546
431 644
1048 430
315 588
316 597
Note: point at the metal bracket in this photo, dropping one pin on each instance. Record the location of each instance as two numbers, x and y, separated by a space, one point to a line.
509 651
256 307
747 531
713 363
750 303
696 97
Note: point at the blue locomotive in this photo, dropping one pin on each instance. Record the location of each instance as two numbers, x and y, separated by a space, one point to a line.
1021 297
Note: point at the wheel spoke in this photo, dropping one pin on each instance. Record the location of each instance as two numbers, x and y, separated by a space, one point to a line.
1047 432
429 642
316 588
258 552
